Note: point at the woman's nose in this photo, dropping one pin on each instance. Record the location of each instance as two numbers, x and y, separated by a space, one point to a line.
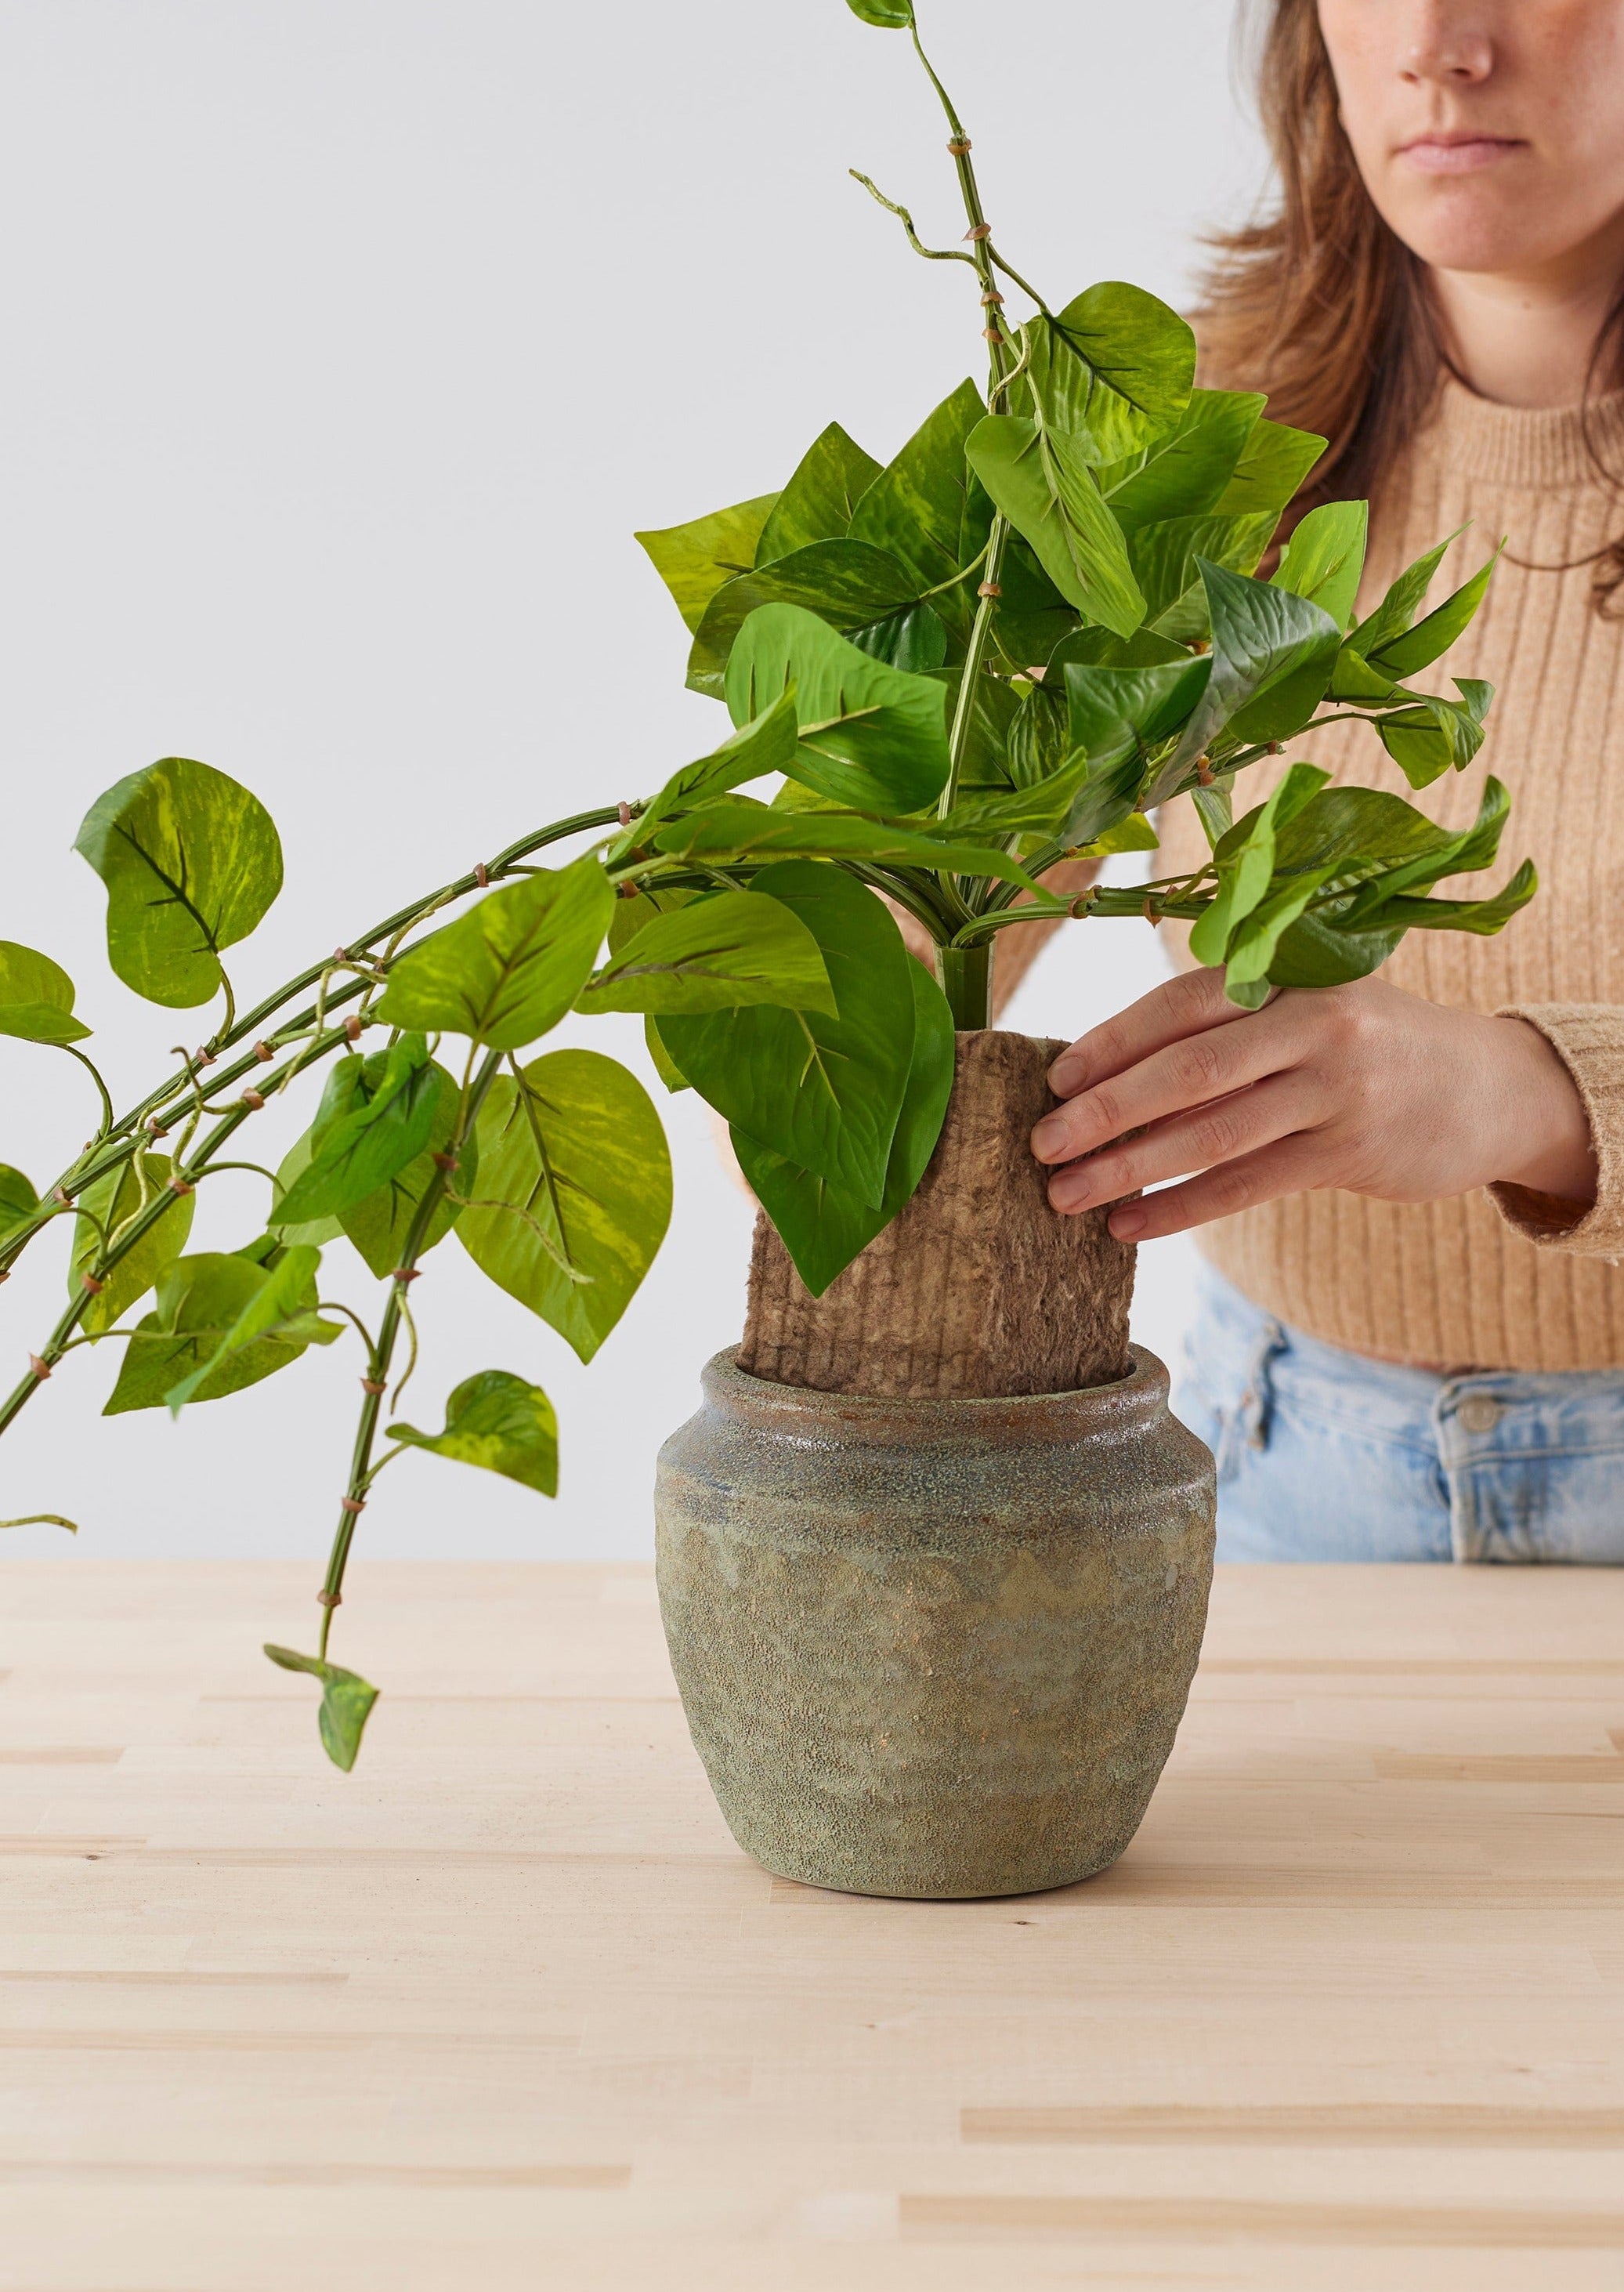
1446 42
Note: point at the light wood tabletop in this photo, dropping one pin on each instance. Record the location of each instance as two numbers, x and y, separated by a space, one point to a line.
506 2006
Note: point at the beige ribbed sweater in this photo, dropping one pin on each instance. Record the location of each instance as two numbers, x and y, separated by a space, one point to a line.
1485 1280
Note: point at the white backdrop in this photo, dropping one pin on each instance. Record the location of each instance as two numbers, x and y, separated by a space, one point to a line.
347 342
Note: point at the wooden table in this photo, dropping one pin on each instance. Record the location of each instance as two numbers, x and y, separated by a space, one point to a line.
507 2008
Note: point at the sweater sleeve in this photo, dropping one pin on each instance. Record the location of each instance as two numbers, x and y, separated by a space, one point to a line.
1588 1038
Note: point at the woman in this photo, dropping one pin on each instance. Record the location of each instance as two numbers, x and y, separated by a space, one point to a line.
1411 1190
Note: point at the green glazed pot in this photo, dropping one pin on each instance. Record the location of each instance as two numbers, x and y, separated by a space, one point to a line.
933 1648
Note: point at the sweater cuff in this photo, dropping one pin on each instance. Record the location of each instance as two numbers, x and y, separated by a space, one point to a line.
1588 1038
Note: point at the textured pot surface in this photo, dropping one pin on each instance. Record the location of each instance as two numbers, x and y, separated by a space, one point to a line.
933 1648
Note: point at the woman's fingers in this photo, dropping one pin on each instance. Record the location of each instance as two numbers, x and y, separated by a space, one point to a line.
1220 1132
1185 1005
1291 1165
1191 1071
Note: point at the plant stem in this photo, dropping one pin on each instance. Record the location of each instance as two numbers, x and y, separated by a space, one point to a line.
967 981
389 1330
95 1074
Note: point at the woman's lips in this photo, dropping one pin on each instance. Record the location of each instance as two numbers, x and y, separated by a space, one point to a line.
1459 155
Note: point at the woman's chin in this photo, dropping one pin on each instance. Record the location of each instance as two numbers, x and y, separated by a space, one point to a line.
1473 226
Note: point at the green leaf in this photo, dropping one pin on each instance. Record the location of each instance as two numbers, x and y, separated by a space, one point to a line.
113 1201
1114 368
343 1076
282 1306
574 1190
17 1199
1435 735
1404 655
871 736
664 1066
764 745
1325 557
1116 712
1033 617
1039 482
1411 853
201 1302
1183 472
345 1703
694 560
191 861
1038 806
499 1421
847 584
381 1223
1272 657
1484 917
508 970
824 1226
825 1094
993 709
915 508
716 954
830 480
1245 859
914 640
736 828
1166 557
36 997
1252 947
1271 470
1397 610
890 15
386 1127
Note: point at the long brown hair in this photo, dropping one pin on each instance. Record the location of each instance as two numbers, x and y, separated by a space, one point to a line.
1320 303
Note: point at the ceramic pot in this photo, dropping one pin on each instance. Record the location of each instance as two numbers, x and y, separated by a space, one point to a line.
933 1648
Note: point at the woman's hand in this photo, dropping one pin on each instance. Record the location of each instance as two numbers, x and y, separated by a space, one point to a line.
1361 1087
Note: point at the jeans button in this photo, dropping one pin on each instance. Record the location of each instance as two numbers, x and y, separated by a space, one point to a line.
1478 1413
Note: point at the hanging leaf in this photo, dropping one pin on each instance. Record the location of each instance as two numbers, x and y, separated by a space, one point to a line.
507 972
824 1226
201 1302
823 1093
1245 859
817 504
500 1422
1270 471
695 560
1435 735
387 1127
715 954
191 861
915 508
1114 368
736 828
574 1190
1043 485
870 735
846 584
36 997
1184 470
890 15
17 1199
381 1223
345 1703
282 1306
112 1202
1324 558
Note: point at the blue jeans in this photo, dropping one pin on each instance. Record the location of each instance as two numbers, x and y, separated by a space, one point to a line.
1325 1455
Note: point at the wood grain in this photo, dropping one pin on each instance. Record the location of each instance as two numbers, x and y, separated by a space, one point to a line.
507 2008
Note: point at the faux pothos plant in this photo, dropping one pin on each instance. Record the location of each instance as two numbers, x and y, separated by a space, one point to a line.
1009 646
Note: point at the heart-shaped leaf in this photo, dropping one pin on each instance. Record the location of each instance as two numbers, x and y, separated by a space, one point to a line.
695 560
1325 557
17 1199
346 1702
106 1209
890 15
818 503
871 736
191 861
36 997
915 508
574 1190
385 1126
1041 481
507 972
202 1302
499 1421
715 954
1114 368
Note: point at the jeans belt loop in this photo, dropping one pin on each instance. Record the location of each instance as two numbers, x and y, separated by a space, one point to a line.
1258 1399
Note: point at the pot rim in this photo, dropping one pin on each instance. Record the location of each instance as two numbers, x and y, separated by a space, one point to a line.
1125 1409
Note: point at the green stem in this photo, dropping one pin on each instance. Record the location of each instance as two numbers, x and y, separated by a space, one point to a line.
389 1330
966 974
95 1074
